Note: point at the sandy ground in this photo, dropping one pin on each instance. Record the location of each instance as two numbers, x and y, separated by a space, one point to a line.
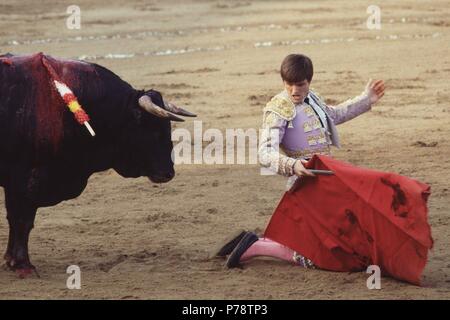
133 239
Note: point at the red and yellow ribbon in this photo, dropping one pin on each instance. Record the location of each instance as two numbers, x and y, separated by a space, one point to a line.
73 105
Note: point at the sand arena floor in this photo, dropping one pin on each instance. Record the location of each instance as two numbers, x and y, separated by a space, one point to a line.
134 240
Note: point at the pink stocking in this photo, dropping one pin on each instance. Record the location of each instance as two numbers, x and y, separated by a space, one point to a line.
267 247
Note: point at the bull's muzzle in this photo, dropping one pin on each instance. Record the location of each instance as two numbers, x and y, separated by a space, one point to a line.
162 178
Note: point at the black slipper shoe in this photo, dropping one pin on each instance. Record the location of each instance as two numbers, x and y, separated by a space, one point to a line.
245 243
228 245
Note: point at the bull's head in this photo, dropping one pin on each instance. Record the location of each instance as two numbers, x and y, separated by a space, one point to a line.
148 149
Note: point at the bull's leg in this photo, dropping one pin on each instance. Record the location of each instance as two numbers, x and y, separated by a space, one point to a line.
19 259
8 254
21 220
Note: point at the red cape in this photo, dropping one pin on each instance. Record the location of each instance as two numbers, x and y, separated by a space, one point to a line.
356 218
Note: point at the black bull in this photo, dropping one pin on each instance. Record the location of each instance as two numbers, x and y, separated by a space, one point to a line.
46 156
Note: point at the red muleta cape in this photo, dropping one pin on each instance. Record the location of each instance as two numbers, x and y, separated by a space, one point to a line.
356 218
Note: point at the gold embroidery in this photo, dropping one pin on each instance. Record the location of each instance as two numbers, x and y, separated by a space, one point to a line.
270 120
321 138
308 152
309 111
307 126
316 139
312 140
316 124
285 165
282 107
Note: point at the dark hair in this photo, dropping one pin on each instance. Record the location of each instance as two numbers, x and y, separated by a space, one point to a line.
296 68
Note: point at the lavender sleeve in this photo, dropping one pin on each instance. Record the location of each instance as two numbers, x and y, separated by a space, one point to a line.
269 154
349 109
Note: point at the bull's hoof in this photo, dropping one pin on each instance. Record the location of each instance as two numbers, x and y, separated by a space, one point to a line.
9 263
7 258
24 273
23 270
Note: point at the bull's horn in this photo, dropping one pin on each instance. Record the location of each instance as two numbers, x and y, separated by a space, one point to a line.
177 110
147 104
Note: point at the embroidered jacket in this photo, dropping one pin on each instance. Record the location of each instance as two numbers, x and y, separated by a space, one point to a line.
279 117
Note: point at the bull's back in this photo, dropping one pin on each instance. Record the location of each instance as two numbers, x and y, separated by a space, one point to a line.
31 108
34 119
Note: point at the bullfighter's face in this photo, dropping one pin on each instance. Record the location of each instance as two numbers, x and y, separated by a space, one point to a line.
297 91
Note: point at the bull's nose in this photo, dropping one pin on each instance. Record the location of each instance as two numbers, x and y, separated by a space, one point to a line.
162 178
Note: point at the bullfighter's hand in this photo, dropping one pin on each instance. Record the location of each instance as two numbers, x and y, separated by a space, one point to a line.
300 170
375 90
